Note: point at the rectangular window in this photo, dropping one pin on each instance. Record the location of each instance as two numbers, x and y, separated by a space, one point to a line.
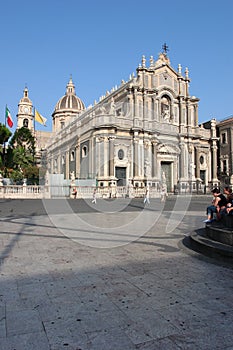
72 156
224 163
224 137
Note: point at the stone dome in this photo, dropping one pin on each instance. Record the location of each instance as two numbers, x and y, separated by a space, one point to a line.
70 102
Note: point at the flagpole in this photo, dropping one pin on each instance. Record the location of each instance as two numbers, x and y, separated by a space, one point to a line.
34 121
4 148
5 114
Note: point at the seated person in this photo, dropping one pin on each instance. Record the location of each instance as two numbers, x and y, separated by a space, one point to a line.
229 205
219 202
229 195
229 210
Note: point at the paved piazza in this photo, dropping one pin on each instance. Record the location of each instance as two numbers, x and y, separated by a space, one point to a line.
110 276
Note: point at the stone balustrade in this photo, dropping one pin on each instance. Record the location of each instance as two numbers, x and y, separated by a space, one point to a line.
24 191
40 192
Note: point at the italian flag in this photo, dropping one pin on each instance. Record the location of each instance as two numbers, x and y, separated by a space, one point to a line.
8 118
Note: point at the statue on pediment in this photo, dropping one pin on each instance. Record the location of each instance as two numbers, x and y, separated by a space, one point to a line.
165 108
72 176
112 107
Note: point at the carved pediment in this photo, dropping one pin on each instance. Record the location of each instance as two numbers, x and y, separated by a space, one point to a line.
168 148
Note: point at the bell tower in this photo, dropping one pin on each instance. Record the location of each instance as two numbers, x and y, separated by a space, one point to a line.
25 115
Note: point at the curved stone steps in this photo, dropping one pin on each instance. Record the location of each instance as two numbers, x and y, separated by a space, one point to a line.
199 241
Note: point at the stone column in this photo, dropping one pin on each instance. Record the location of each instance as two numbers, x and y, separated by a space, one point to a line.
106 153
147 159
214 161
188 111
111 156
51 161
136 110
136 160
58 163
77 158
130 107
197 162
182 160
182 114
191 163
67 172
154 159
196 114
99 155
93 157
156 109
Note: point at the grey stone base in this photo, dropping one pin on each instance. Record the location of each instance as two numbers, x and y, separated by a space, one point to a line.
202 242
220 234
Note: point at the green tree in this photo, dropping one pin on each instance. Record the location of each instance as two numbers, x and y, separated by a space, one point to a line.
31 173
5 134
24 138
21 155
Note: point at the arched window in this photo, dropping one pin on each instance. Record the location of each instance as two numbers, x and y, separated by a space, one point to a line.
25 123
166 107
72 156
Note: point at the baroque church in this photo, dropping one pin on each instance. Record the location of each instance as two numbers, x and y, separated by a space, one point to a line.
139 134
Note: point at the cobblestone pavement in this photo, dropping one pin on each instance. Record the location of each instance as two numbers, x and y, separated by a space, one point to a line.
59 290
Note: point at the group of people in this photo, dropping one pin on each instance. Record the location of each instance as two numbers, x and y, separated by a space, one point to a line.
222 204
146 197
163 195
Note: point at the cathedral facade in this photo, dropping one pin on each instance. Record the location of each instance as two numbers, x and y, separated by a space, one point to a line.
142 133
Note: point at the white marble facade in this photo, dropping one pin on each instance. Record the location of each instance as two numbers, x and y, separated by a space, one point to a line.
146 127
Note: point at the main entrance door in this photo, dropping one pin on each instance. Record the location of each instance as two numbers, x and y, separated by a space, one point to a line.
166 167
120 173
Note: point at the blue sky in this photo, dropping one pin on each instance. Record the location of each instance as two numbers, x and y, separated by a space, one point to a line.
102 42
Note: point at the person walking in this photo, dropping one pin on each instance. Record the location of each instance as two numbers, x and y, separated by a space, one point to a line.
94 196
74 192
147 196
163 193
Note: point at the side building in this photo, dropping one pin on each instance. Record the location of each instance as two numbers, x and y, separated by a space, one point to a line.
225 151
140 133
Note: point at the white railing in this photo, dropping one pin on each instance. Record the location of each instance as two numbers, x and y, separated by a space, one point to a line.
40 192
115 192
22 191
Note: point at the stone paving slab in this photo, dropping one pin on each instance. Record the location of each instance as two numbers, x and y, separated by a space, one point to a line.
151 293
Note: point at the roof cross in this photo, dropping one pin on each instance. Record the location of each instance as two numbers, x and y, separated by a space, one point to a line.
165 48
